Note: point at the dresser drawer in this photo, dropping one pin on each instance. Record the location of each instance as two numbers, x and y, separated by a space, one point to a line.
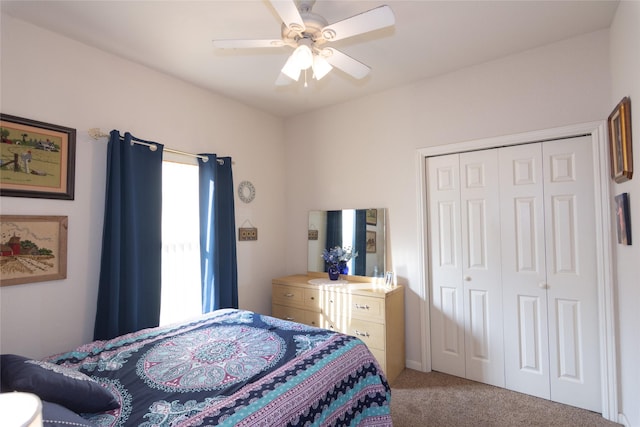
348 305
368 308
370 333
312 298
380 357
288 295
289 313
313 318
322 320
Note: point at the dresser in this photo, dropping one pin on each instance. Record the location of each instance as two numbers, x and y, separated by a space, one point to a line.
362 308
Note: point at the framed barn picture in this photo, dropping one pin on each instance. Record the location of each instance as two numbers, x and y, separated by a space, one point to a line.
36 159
32 248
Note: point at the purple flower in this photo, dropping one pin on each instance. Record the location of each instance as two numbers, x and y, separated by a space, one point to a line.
338 256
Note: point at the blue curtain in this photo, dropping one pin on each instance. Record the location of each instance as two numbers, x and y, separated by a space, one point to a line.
130 272
360 262
219 266
334 231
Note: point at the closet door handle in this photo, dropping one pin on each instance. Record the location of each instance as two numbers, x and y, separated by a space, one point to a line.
543 285
467 278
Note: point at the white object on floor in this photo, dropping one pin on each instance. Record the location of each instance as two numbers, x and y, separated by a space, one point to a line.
19 409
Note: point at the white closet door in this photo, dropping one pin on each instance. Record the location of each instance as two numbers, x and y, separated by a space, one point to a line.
524 270
571 273
447 313
549 272
480 219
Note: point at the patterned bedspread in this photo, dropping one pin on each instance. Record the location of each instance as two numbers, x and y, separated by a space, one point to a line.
236 368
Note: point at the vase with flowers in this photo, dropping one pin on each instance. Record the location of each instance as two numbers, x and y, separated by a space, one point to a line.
337 259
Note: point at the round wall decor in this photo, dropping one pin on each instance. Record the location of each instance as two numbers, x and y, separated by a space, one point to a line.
246 191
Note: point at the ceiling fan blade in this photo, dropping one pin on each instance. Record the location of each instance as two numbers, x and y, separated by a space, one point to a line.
246 44
345 63
288 12
374 19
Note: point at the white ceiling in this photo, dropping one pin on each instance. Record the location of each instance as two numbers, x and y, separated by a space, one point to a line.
429 38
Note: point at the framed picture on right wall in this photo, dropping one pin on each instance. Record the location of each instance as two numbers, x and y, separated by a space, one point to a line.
621 153
623 219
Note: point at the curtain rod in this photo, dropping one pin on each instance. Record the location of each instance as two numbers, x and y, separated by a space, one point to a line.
96 133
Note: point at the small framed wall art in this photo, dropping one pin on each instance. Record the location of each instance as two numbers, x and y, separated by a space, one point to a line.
372 217
621 152
36 159
371 242
623 219
32 248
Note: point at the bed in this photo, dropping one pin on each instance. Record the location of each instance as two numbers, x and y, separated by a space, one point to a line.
228 368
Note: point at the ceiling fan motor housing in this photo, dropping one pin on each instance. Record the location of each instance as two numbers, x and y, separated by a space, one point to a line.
313 23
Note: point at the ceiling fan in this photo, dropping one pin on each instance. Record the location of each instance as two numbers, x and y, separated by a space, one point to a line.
308 33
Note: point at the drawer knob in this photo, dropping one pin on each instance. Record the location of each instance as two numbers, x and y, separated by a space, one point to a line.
361 334
312 298
362 307
289 318
288 295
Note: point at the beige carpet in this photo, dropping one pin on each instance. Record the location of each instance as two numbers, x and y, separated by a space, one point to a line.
434 399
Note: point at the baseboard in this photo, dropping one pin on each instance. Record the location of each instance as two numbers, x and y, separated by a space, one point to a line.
622 419
416 366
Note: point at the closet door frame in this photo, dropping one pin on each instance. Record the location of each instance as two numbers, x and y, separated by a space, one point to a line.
604 249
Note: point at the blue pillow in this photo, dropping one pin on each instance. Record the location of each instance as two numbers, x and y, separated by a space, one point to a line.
54 383
54 415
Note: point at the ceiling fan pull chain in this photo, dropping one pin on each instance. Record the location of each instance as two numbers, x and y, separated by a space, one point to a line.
305 78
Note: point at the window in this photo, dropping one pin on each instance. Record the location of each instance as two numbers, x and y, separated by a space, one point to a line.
181 293
349 233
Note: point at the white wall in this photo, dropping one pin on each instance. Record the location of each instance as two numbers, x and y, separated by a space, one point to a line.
52 79
625 72
363 153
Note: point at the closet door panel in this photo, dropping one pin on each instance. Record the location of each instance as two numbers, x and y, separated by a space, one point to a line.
524 270
571 273
447 314
481 266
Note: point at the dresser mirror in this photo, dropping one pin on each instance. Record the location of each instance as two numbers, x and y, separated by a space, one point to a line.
363 230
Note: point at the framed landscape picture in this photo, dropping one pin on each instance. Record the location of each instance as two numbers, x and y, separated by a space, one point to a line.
32 248
36 159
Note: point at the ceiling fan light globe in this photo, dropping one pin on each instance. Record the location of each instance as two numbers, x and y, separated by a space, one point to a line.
320 67
291 68
303 57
